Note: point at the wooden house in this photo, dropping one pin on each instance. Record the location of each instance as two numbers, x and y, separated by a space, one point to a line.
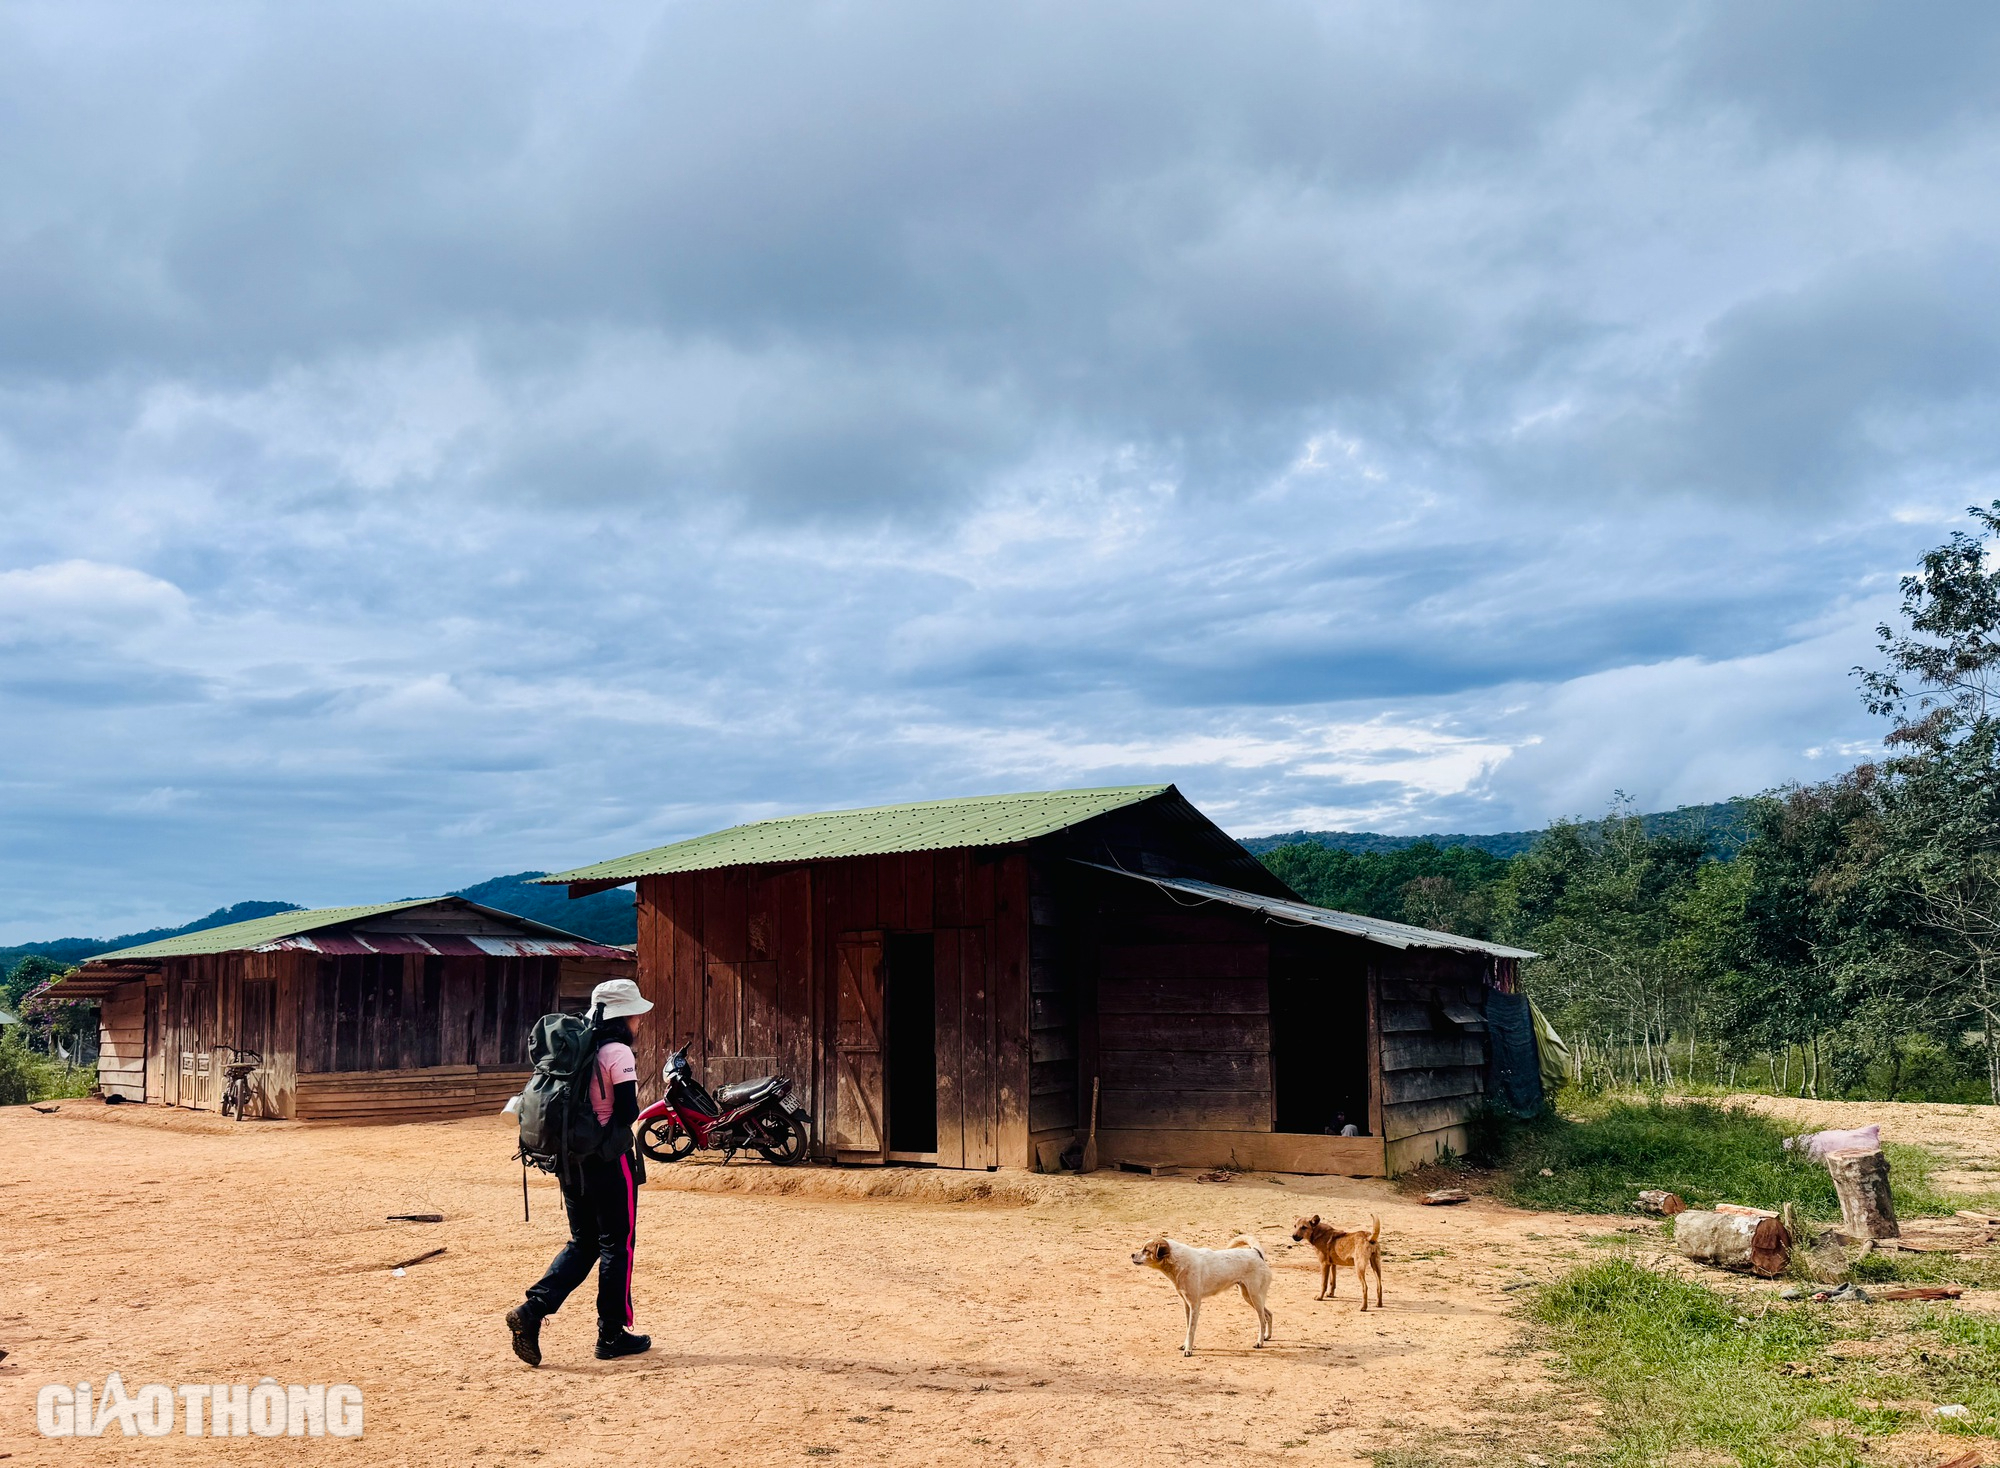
400 1011
949 980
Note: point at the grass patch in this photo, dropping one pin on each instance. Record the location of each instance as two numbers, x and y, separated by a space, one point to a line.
1688 1374
1600 1155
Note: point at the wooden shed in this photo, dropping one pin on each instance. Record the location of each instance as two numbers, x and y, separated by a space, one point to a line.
400 1011
947 979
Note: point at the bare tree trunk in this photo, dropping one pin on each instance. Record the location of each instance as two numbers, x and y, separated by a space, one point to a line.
1861 1182
1753 1245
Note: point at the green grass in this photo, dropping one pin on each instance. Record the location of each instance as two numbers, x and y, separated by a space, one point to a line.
1680 1376
1600 1155
1688 1374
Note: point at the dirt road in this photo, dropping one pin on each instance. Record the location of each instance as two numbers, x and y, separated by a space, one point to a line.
173 1248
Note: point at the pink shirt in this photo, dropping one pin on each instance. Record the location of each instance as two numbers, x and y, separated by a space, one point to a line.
615 1063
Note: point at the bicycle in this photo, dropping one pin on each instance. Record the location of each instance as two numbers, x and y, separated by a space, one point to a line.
236 1094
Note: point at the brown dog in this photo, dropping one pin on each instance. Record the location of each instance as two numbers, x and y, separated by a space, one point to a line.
1340 1247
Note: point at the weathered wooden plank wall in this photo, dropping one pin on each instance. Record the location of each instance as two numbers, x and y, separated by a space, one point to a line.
744 961
121 1042
1183 1019
1052 1038
1432 1069
386 1012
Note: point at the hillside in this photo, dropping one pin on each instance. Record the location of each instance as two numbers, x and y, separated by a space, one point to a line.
607 917
1723 823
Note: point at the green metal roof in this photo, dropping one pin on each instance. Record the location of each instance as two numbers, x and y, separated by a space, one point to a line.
257 931
928 825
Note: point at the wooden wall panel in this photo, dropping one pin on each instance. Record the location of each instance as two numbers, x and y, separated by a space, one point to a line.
1008 1014
690 1019
791 901
919 879
977 1085
121 1042
1184 996
950 1036
1432 1070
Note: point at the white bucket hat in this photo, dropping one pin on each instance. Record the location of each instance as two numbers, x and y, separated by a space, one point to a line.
619 997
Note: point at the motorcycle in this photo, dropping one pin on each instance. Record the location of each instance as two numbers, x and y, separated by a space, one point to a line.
760 1115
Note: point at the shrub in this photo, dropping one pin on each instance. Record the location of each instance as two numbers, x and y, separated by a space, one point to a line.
26 1076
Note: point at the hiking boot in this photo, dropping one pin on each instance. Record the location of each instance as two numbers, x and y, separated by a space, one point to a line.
526 1325
611 1347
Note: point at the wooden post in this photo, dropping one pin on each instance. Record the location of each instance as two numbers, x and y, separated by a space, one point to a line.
1861 1181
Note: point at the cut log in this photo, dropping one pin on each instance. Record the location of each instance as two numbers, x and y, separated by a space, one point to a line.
1731 1241
1444 1197
1744 1210
1861 1182
1991 1220
1653 1200
1921 1292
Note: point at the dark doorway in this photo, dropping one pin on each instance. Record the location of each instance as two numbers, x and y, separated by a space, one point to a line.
910 1011
1319 1043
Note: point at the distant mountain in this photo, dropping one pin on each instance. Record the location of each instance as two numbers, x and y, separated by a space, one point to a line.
607 917
1723 824
76 950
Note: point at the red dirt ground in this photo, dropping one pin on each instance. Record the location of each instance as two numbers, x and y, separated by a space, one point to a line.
175 1247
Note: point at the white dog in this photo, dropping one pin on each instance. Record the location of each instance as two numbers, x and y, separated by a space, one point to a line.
1199 1273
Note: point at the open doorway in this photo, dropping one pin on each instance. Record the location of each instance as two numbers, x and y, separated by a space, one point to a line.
909 1004
1319 1048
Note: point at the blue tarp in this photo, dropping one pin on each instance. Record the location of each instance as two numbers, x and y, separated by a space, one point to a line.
1514 1064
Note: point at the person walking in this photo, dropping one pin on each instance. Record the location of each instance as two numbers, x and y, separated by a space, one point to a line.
600 1197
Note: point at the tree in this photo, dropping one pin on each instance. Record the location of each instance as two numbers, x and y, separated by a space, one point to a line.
1596 899
1940 862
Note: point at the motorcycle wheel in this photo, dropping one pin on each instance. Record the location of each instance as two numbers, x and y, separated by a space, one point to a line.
793 1146
663 1140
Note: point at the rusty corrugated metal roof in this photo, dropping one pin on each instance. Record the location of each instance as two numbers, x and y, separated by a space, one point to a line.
1304 914
444 945
929 825
293 929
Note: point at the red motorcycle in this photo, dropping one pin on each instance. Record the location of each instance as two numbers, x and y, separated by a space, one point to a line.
760 1115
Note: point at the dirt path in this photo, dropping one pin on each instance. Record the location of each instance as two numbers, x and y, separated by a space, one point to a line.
173 1248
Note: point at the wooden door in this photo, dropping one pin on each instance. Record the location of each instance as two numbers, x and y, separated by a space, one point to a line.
197 1040
860 1132
156 1045
964 1050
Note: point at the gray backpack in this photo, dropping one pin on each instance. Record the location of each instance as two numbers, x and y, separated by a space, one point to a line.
559 1127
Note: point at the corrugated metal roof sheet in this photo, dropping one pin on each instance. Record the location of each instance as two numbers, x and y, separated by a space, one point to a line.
256 932
930 825
292 930
1374 930
445 945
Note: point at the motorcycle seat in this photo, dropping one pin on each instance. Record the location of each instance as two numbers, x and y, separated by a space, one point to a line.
737 1092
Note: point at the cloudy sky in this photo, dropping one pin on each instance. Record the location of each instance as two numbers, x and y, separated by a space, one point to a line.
441 440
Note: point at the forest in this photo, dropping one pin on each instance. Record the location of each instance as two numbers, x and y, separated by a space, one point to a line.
1842 939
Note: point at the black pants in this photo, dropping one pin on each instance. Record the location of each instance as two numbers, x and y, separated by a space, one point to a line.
602 1206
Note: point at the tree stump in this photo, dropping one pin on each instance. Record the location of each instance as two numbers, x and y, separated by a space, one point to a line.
1731 1241
1861 1181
